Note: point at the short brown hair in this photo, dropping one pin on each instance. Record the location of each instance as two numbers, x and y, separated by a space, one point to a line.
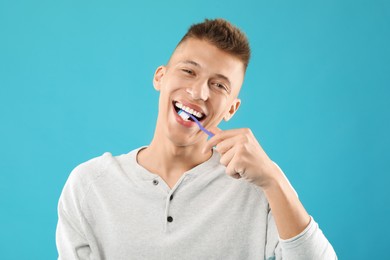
222 34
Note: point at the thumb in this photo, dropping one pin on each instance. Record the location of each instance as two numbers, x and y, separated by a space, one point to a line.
215 130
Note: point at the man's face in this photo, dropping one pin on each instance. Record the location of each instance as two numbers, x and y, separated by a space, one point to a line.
201 77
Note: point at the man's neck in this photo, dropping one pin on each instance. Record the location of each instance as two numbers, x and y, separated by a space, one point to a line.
170 161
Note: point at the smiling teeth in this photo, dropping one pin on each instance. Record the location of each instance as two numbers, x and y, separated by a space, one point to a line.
188 110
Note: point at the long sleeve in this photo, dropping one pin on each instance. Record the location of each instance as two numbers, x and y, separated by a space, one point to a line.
71 242
72 238
310 244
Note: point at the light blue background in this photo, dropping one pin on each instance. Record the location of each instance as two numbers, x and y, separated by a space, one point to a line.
76 81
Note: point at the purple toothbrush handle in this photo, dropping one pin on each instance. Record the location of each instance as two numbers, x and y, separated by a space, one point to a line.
199 124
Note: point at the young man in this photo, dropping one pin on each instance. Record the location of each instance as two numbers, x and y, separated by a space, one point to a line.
180 198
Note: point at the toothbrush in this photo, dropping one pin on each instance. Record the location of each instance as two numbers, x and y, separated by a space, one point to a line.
185 115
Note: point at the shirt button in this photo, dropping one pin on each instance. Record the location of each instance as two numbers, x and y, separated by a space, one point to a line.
170 198
170 219
155 182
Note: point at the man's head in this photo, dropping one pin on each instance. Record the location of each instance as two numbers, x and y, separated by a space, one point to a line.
222 35
204 73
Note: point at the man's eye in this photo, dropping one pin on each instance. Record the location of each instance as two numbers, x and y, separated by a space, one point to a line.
188 71
221 86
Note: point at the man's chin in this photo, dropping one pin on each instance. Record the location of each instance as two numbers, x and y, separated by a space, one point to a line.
181 141
184 140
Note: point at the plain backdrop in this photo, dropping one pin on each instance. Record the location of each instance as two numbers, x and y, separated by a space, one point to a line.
76 81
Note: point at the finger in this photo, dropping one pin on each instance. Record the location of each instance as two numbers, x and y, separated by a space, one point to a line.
236 176
211 142
218 137
227 144
214 140
234 167
227 157
215 130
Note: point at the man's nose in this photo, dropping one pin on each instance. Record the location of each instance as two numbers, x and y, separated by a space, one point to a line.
199 90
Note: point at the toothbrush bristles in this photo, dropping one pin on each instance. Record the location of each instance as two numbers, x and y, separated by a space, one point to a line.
183 115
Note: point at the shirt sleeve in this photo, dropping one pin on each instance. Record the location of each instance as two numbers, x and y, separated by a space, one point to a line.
310 244
71 239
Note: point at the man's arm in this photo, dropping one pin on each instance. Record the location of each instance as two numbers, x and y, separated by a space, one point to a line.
71 243
71 226
290 216
244 158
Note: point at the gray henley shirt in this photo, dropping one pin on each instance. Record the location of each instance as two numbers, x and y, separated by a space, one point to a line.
113 208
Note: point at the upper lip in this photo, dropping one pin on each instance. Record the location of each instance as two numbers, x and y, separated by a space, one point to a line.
193 106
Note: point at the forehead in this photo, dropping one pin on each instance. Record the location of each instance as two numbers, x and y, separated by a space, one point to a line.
209 58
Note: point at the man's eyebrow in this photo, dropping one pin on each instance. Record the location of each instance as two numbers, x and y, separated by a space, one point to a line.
191 62
224 78
198 65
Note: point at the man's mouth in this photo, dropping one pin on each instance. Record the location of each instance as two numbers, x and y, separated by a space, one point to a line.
197 114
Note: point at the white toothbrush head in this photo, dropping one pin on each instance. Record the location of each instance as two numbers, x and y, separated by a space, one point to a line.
184 115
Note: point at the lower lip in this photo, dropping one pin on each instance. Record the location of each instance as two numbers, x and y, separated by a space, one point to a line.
181 120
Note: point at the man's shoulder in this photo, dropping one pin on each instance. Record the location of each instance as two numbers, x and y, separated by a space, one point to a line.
91 170
88 171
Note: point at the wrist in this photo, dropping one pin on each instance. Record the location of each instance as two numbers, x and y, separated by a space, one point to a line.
273 179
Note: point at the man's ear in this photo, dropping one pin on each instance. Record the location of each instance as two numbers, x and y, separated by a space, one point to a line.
233 108
158 76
